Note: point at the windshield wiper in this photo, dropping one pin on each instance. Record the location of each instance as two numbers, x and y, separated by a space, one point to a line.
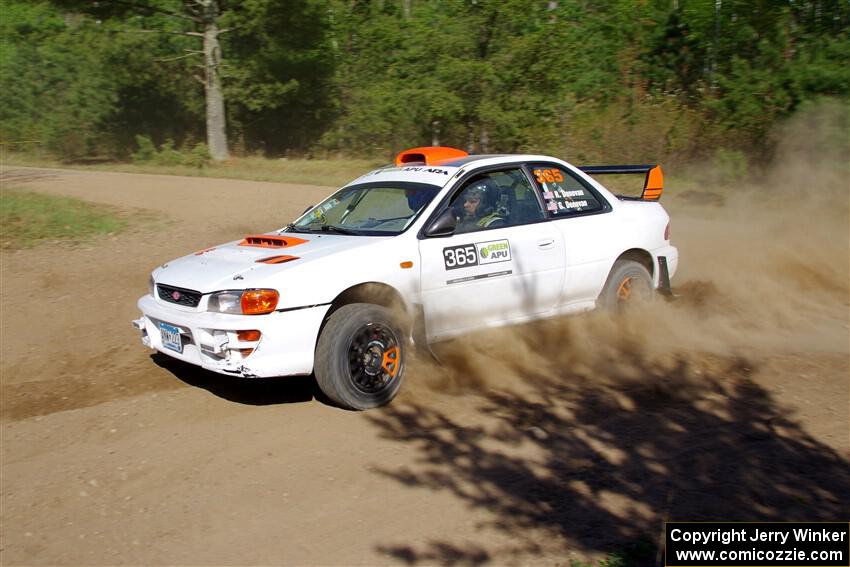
337 229
291 228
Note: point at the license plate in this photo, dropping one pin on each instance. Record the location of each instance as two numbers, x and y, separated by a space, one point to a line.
170 337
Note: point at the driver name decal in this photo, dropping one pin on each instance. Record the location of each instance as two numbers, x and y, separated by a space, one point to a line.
476 254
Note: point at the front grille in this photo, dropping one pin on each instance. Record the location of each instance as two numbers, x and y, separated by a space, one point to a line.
187 297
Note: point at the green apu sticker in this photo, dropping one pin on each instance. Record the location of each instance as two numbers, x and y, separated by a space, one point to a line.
494 251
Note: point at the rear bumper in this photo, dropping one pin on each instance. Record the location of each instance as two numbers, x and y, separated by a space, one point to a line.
286 346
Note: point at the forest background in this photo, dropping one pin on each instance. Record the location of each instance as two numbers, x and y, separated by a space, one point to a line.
586 80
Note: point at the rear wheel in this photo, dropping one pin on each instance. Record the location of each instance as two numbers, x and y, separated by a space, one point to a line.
360 356
628 283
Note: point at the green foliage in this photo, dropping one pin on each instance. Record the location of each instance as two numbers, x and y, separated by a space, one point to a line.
28 218
198 156
168 156
147 149
278 79
604 80
634 554
54 90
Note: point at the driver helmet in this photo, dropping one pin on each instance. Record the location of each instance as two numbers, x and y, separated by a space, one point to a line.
484 190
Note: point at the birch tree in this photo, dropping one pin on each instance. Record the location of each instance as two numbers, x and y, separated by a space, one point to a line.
198 19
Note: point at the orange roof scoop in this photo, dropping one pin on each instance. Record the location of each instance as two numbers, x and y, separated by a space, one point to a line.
428 155
271 241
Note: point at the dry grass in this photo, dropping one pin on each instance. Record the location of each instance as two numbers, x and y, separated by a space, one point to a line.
29 218
327 172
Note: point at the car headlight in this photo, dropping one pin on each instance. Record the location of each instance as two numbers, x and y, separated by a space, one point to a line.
151 286
247 302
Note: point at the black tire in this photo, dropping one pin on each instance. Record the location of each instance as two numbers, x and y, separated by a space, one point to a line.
628 283
360 356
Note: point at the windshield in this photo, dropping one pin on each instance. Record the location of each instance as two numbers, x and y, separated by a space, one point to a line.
369 209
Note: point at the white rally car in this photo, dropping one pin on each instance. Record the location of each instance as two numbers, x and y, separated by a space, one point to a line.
436 245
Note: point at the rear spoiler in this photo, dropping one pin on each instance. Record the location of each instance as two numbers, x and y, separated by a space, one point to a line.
653 185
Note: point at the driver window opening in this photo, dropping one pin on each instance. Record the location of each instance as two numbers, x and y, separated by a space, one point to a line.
494 200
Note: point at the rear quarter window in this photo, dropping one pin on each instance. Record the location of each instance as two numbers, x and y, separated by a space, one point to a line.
564 194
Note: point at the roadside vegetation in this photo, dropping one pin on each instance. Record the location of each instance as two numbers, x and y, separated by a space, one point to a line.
605 81
29 218
637 553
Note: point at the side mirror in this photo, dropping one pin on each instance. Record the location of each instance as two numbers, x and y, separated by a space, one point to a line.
443 225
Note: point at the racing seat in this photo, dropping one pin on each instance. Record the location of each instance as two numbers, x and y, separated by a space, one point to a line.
525 211
503 206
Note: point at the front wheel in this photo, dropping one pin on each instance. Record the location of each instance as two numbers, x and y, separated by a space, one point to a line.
360 356
628 283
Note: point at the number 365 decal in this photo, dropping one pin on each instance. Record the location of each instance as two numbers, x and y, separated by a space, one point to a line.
479 253
460 256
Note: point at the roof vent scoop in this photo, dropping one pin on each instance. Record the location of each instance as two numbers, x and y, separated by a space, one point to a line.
428 155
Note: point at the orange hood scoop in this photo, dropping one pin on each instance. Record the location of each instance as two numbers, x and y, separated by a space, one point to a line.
271 241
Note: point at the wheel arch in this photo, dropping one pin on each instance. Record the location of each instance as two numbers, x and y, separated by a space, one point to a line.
376 293
638 255
641 256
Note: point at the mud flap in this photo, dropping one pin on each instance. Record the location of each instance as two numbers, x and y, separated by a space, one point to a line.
420 336
664 287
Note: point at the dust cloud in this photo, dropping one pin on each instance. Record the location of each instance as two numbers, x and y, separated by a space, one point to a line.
764 270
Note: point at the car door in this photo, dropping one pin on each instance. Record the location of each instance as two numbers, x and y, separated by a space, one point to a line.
581 216
504 265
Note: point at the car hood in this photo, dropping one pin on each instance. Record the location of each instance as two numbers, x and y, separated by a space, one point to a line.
240 264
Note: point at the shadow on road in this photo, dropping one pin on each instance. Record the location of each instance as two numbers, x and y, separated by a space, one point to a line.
250 391
597 456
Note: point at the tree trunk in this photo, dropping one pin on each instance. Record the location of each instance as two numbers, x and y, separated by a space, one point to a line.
216 120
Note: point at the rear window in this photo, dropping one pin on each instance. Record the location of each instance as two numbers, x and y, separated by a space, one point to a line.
564 194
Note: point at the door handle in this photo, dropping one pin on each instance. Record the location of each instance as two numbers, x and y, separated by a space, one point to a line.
546 244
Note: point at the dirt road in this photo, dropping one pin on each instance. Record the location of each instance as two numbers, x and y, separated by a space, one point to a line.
538 445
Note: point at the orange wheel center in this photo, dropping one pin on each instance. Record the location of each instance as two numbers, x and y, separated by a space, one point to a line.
390 362
624 292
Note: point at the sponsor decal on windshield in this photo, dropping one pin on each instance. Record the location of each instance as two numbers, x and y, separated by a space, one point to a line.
426 170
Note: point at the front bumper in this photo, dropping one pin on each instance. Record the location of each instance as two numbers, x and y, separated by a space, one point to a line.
286 345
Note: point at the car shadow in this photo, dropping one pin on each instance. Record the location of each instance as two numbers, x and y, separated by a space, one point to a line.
598 454
248 391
